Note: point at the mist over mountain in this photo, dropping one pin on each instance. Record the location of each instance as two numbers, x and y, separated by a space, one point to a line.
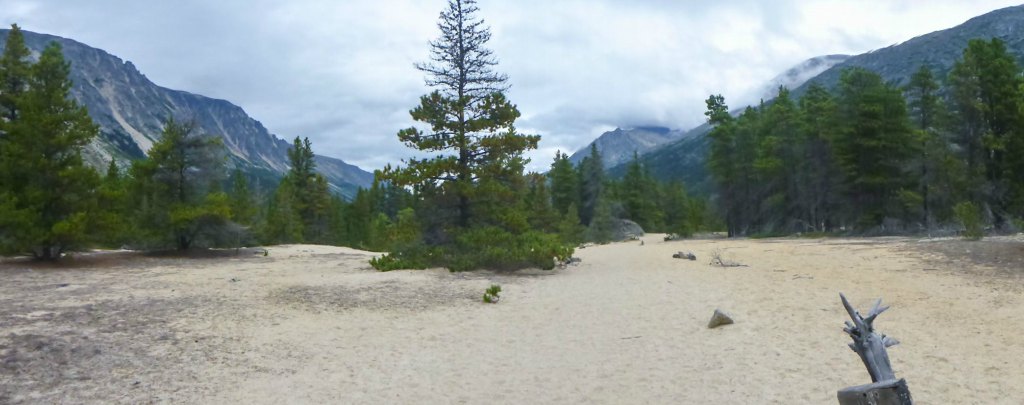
617 147
130 111
800 74
684 159
938 50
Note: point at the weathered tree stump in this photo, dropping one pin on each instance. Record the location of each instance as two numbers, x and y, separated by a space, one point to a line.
871 347
892 392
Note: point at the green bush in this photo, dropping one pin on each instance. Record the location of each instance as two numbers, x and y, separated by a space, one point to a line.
491 295
970 217
490 248
400 261
496 249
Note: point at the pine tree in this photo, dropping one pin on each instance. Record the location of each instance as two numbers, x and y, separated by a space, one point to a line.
110 224
639 195
986 97
591 184
178 189
679 216
243 206
470 193
564 183
570 230
731 161
47 186
602 225
925 109
15 70
819 199
722 160
873 146
778 148
542 215
471 122
283 223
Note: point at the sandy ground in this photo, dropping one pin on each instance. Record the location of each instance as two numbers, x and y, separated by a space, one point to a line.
310 324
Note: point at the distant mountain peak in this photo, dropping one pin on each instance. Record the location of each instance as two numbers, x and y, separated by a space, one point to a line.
131 110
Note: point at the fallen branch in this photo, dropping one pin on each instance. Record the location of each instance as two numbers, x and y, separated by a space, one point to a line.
717 259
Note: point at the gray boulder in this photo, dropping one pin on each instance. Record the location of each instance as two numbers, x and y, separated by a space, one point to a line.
626 229
719 318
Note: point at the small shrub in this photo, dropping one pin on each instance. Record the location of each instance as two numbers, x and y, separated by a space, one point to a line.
491 295
970 217
397 261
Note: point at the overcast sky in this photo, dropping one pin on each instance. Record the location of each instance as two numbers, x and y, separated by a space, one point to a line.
341 71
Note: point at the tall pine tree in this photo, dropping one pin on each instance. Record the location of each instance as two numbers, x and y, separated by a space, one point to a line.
471 122
48 191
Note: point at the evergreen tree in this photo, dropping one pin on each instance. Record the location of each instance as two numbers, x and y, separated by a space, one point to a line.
311 193
564 183
873 146
986 97
639 195
570 230
471 121
48 190
243 206
542 215
15 70
602 225
471 205
819 199
680 218
591 184
731 161
283 223
925 108
110 223
779 147
178 188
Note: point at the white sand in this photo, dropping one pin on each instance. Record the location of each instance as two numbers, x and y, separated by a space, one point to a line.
312 324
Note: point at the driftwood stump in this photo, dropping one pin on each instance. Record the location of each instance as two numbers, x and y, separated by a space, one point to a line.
871 347
892 392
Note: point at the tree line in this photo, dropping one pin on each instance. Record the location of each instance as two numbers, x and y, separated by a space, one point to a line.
471 206
870 157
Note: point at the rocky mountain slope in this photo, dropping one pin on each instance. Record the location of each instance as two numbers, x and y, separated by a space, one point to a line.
130 110
685 159
617 146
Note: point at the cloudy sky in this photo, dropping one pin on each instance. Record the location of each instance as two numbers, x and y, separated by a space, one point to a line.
341 71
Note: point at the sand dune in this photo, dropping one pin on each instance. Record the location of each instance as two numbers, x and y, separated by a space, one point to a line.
311 324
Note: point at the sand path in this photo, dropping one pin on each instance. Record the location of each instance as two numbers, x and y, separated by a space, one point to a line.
311 324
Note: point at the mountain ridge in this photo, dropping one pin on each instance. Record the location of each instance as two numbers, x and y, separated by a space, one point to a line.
130 111
684 159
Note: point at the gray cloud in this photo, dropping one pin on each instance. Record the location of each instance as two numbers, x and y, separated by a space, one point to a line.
340 72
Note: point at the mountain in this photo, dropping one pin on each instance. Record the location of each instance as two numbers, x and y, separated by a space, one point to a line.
800 74
130 111
684 159
938 50
617 146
